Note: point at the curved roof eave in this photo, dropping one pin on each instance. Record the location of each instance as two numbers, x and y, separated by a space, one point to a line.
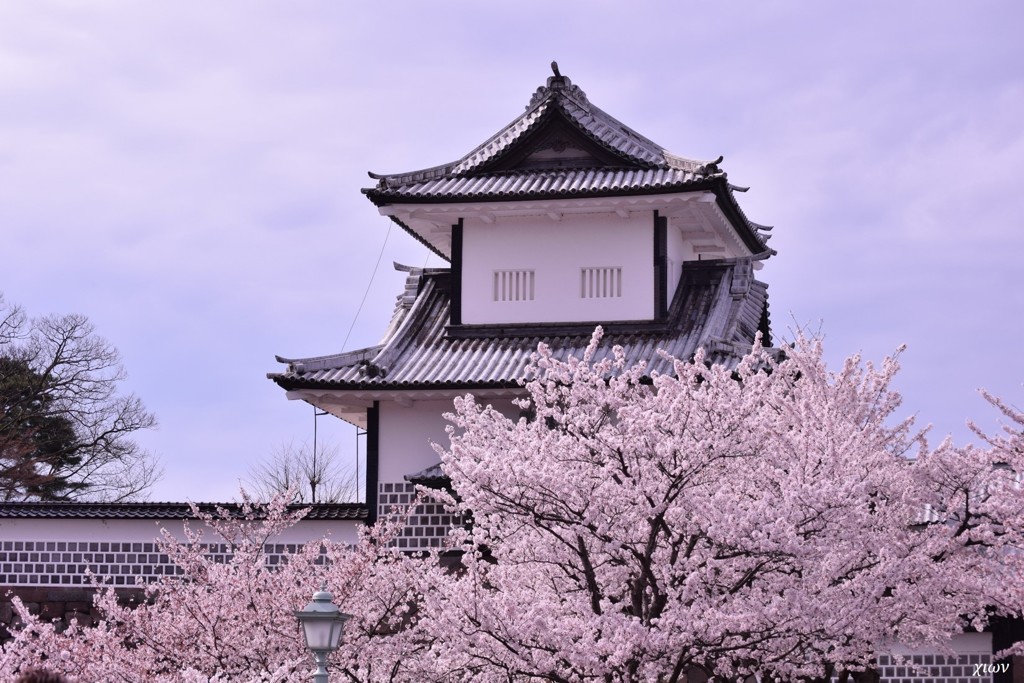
711 307
291 383
750 233
166 510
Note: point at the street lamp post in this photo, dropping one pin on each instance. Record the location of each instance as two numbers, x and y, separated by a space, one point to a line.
322 623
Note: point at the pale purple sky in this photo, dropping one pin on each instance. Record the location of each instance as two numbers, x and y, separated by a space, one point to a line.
187 175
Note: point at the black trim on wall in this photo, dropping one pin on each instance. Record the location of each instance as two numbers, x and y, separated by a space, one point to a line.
456 261
372 460
764 326
660 267
1005 632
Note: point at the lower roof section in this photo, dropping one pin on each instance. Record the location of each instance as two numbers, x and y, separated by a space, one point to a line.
165 511
718 306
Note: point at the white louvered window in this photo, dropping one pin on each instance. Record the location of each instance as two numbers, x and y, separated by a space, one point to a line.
601 283
513 285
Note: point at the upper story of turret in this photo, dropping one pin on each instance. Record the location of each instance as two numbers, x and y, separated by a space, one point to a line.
564 220
568 216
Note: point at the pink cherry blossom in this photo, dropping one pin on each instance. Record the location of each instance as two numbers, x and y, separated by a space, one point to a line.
774 518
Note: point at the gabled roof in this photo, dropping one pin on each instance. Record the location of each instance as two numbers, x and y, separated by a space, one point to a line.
718 306
166 511
559 102
562 147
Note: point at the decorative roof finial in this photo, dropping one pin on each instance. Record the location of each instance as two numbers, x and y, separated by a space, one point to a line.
559 85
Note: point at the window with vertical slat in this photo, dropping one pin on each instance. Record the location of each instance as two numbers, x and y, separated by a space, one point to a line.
601 283
514 285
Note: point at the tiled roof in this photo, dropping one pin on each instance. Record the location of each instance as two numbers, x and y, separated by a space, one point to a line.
554 182
431 475
625 163
718 306
61 510
559 96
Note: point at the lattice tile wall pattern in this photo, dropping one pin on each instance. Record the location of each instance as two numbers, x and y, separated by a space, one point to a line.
69 563
426 526
936 668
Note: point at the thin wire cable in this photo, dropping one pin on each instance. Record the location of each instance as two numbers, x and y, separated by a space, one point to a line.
351 327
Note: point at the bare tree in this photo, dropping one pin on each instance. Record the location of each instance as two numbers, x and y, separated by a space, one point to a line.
312 476
12 323
65 428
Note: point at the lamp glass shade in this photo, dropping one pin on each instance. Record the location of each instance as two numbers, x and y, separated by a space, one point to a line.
322 622
322 634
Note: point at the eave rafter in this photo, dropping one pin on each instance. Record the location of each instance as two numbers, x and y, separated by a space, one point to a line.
351 405
698 209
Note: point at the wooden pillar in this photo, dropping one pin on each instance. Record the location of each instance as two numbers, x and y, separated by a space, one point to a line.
455 318
372 460
660 267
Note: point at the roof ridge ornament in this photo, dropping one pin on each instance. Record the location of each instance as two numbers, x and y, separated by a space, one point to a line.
712 168
559 84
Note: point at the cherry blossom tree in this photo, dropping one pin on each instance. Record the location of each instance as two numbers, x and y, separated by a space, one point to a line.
976 496
767 519
234 621
770 519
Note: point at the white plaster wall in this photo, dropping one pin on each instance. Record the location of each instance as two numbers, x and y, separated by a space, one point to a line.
406 434
405 437
965 643
679 251
146 530
556 250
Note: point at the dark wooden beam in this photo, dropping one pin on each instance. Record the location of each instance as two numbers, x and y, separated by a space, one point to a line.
660 267
372 460
455 317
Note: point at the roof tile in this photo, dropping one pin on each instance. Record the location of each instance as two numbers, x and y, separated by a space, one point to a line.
422 351
88 510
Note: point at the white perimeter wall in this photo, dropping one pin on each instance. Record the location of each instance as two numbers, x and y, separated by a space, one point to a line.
965 643
63 552
556 250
